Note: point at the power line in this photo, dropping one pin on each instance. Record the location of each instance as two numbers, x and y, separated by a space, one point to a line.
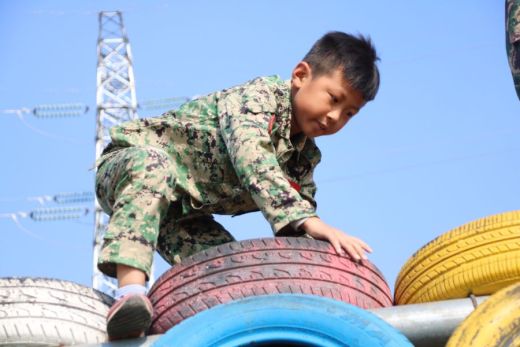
45 214
23 111
163 103
15 218
415 166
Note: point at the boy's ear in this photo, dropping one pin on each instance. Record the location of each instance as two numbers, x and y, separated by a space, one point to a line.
301 73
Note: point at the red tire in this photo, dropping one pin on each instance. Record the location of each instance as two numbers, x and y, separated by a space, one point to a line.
263 266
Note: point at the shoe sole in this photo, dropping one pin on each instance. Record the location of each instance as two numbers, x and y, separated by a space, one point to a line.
131 320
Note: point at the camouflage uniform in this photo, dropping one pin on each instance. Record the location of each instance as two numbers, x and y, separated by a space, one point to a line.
513 40
230 152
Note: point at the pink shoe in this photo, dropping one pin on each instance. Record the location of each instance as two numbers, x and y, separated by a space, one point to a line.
129 317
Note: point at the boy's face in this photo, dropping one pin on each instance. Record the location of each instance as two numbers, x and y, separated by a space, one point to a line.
321 105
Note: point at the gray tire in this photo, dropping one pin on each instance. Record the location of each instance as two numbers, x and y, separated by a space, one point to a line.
50 312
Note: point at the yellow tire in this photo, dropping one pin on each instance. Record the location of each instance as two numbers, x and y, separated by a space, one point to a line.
477 258
495 323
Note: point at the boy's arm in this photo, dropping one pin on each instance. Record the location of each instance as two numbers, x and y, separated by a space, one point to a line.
244 117
316 228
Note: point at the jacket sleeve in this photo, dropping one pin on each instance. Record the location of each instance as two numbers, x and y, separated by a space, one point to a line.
244 114
308 189
308 186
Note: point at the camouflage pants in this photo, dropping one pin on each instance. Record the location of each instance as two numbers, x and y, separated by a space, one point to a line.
135 187
513 40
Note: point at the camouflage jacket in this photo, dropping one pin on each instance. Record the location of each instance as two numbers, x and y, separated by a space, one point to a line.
513 40
232 152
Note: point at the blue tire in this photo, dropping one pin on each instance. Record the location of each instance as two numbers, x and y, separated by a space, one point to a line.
284 320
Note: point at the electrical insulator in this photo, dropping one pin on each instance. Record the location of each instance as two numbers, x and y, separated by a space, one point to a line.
71 198
53 214
60 110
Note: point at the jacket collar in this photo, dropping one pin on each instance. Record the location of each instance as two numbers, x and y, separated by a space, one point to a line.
282 127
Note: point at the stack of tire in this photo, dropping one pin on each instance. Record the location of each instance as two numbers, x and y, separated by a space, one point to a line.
290 292
272 292
476 259
264 292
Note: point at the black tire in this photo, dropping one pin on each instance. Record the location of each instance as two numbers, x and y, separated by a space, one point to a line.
50 312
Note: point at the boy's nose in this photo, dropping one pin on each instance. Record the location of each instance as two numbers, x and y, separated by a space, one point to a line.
333 116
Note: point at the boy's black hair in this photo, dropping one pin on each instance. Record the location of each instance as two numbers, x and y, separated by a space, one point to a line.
356 56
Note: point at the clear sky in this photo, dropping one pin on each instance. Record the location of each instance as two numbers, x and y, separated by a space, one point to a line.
437 148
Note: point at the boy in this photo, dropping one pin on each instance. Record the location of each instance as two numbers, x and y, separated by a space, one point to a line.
242 149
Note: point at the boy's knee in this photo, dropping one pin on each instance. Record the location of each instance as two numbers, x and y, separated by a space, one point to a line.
146 162
134 161
154 170
150 161
134 171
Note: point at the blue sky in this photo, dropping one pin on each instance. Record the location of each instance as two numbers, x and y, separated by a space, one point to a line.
436 149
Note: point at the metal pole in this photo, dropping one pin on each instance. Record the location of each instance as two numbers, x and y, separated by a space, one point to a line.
429 324
425 325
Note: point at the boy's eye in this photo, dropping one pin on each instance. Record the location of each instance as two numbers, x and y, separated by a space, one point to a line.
349 115
333 98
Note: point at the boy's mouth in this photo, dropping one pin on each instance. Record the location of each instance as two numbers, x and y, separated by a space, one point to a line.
322 126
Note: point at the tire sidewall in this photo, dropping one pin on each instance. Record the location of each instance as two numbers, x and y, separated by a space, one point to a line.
262 267
305 320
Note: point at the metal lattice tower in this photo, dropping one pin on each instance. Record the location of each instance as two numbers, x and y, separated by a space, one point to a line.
116 103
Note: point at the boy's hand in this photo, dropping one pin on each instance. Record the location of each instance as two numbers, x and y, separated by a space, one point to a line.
341 242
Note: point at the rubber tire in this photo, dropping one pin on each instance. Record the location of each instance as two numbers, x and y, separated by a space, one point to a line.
477 258
263 266
50 312
495 323
284 320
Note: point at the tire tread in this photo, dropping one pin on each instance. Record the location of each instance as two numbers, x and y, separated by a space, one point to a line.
50 312
432 273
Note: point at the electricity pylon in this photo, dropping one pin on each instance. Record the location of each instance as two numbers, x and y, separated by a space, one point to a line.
116 103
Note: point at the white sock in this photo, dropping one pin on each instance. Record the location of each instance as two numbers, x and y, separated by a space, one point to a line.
130 289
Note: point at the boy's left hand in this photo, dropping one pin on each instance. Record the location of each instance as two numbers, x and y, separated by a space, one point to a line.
341 242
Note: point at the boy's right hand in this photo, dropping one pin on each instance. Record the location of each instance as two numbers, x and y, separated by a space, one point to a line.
341 242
